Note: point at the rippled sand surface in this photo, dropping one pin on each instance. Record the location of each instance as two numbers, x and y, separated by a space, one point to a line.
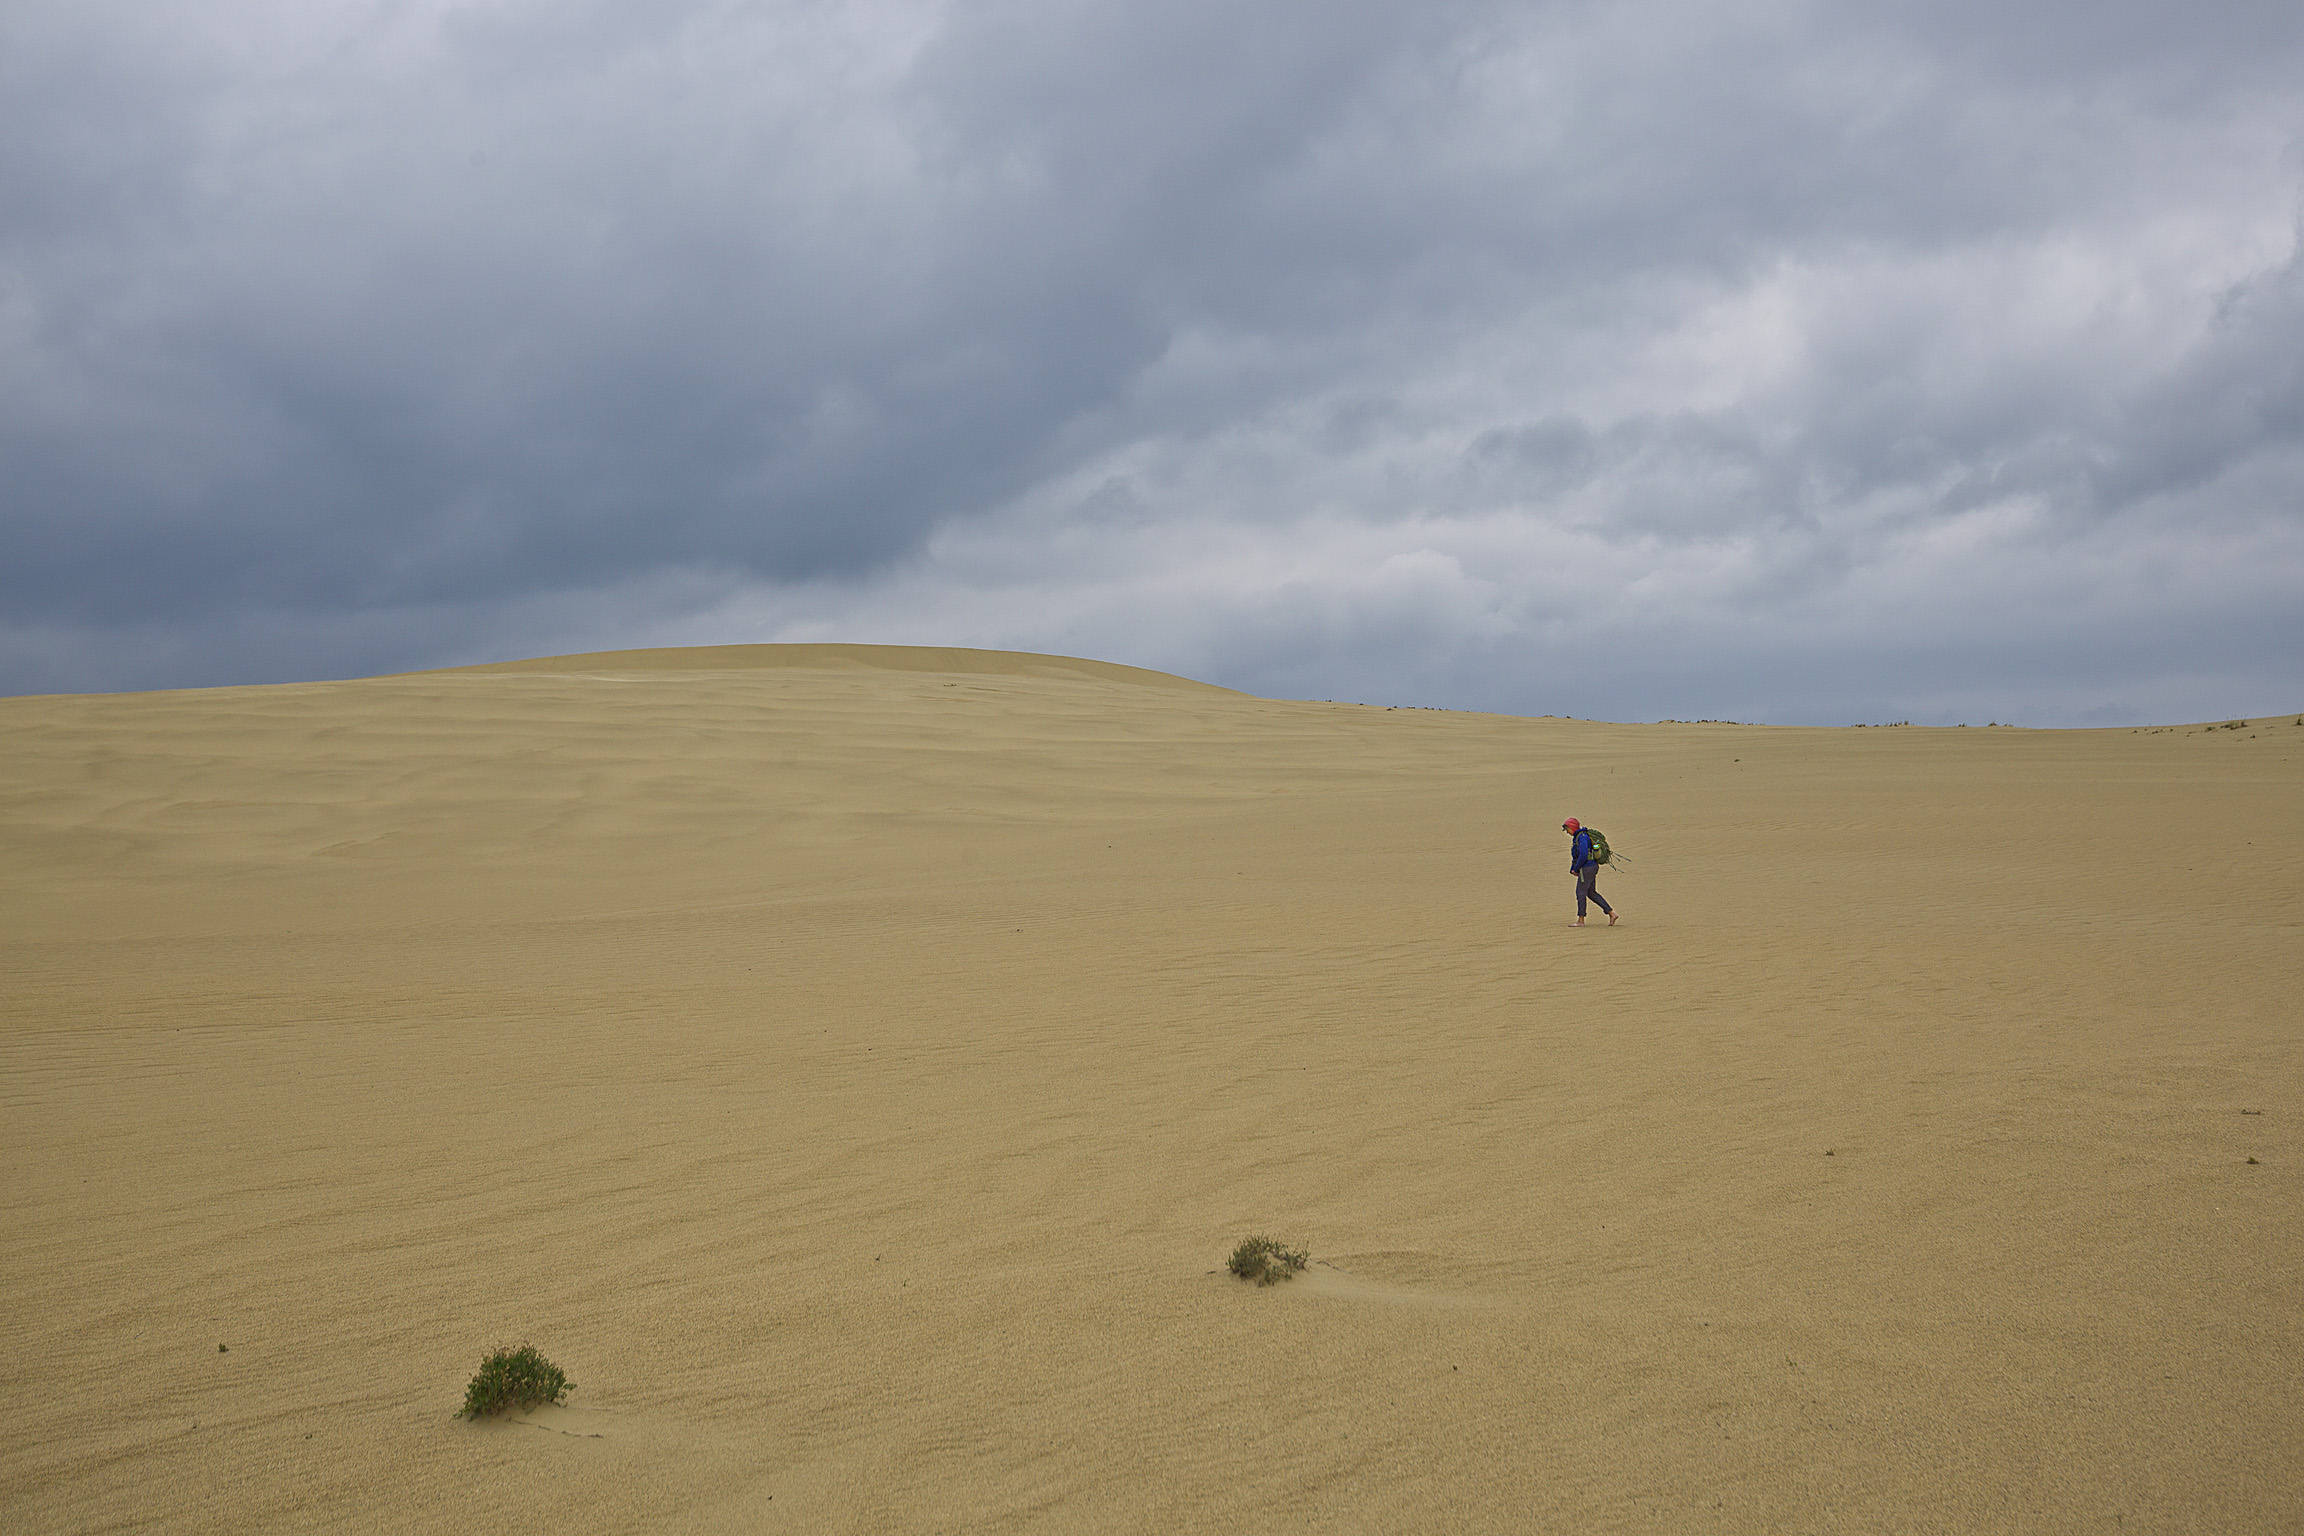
853 1066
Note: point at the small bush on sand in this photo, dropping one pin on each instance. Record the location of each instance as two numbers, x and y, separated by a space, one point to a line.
514 1378
1265 1261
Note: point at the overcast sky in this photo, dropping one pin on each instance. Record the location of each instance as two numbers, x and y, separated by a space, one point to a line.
1807 363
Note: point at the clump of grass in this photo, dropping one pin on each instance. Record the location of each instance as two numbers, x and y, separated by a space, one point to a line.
1266 1261
514 1378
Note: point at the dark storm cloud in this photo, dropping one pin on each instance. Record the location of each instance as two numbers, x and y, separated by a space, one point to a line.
380 335
521 298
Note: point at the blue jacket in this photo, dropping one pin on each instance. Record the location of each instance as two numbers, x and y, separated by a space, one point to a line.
1580 853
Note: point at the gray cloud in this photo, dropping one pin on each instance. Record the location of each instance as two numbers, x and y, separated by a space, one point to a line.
1791 360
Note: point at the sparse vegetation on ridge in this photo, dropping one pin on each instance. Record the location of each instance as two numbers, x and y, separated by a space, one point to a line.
1266 1261
514 1378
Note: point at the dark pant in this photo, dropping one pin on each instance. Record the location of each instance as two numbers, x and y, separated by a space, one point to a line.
1585 888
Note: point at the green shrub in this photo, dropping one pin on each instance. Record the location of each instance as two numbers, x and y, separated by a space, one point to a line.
514 1378
1266 1261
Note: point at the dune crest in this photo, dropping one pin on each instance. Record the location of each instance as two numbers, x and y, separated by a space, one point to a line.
855 658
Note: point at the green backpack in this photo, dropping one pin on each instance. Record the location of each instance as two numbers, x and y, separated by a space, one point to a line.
1599 844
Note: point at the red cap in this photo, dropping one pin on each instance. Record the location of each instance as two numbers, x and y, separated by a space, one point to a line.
1571 825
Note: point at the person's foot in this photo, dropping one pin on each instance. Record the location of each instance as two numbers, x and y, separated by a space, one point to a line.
1612 918
1577 924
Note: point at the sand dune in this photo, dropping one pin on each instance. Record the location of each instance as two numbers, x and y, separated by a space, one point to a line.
945 659
853 1067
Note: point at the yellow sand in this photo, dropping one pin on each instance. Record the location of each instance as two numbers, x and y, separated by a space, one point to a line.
853 1068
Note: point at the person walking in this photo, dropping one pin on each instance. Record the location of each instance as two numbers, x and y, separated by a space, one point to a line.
1586 869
